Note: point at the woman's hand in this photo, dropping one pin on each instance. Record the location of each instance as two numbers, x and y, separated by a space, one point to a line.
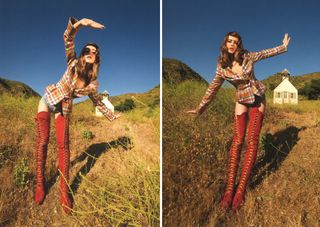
286 40
90 23
117 115
192 111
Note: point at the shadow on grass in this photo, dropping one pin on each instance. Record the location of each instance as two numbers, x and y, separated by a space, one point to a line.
276 149
92 154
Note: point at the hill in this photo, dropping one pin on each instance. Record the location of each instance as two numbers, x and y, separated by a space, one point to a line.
283 186
175 71
16 88
114 170
150 98
298 81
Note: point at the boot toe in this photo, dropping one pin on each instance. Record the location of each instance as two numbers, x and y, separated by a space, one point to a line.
39 196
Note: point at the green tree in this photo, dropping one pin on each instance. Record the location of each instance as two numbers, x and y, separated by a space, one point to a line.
312 90
127 105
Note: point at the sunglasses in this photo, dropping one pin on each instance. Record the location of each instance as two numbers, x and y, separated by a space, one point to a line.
87 51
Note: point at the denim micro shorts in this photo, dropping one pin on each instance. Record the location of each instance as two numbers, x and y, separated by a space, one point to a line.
53 108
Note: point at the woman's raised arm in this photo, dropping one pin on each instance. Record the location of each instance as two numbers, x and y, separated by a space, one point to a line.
257 56
72 28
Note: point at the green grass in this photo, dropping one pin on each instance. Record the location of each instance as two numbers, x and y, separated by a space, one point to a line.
22 174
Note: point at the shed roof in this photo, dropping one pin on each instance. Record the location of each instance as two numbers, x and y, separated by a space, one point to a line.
285 85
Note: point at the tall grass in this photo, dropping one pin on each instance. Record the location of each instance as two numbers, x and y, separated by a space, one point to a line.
125 192
17 136
304 106
195 157
16 119
194 151
129 196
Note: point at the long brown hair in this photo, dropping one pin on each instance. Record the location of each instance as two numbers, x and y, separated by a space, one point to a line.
225 58
88 72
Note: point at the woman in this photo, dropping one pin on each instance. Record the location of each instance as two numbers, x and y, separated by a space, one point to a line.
79 79
236 66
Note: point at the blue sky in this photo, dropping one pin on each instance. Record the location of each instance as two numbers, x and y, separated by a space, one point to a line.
193 31
32 48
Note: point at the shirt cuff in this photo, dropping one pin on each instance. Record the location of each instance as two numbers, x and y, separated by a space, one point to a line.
70 29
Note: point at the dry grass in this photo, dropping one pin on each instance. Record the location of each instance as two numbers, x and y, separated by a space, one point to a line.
120 161
283 190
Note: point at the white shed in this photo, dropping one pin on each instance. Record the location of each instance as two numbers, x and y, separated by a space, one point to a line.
106 101
285 92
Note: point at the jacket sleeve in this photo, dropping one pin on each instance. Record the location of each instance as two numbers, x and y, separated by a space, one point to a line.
212 90
267 53
94 96
68 37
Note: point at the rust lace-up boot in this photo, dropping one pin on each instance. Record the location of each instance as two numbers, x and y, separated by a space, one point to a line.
240 122
43 133
255 123
62 127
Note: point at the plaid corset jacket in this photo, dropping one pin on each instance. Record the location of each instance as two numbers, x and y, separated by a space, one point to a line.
65 90
246 83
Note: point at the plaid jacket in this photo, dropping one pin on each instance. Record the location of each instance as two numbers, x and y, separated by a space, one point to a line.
65 90
246 84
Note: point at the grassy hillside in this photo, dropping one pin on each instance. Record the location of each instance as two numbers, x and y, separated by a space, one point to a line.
175 71
114 165
283 186
17 89
297 81
195 157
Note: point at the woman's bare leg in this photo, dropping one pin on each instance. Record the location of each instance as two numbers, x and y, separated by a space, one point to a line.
42 107
240 109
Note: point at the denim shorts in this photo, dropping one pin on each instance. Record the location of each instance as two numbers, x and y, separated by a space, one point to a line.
53 108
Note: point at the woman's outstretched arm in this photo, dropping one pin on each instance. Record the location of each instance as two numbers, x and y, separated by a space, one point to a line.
94 96
257 56
73 26
210 93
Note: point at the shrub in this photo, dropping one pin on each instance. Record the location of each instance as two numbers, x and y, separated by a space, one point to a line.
127 105
312 90
87 135
21 173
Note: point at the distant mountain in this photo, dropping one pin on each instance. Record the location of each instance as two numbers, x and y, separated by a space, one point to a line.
298 81
175 71
16 88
